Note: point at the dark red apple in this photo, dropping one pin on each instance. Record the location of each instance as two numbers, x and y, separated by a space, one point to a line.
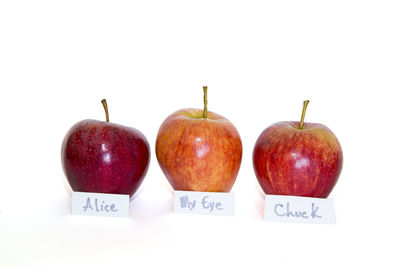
104 157
297 158
199 150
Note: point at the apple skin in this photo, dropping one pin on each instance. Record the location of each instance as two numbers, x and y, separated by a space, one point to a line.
104 157
199 154
299 162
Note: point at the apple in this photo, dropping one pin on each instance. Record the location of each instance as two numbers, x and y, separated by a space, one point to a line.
104 157
298 159
199 150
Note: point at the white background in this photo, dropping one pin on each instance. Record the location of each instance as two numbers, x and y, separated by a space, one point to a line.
148 58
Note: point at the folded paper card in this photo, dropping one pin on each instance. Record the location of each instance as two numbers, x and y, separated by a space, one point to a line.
111 205
299 209
204 203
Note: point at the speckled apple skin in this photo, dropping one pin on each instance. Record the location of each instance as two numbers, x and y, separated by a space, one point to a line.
104 157
199 154
290 161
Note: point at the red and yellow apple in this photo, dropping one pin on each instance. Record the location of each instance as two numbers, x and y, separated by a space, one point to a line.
297 158
199 150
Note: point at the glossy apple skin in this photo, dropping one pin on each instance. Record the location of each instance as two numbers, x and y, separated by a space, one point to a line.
199 154
290 161
104 157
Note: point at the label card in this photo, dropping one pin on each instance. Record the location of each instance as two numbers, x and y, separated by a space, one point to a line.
95 204
299 209
204 203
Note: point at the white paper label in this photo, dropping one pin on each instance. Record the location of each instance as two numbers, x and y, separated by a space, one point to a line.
112 205
299 209
204 203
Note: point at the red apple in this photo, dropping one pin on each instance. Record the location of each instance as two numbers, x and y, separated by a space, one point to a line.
104 157
199 150
297 158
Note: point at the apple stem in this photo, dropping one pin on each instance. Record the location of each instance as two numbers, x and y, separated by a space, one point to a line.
205 102
303 114
104 102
